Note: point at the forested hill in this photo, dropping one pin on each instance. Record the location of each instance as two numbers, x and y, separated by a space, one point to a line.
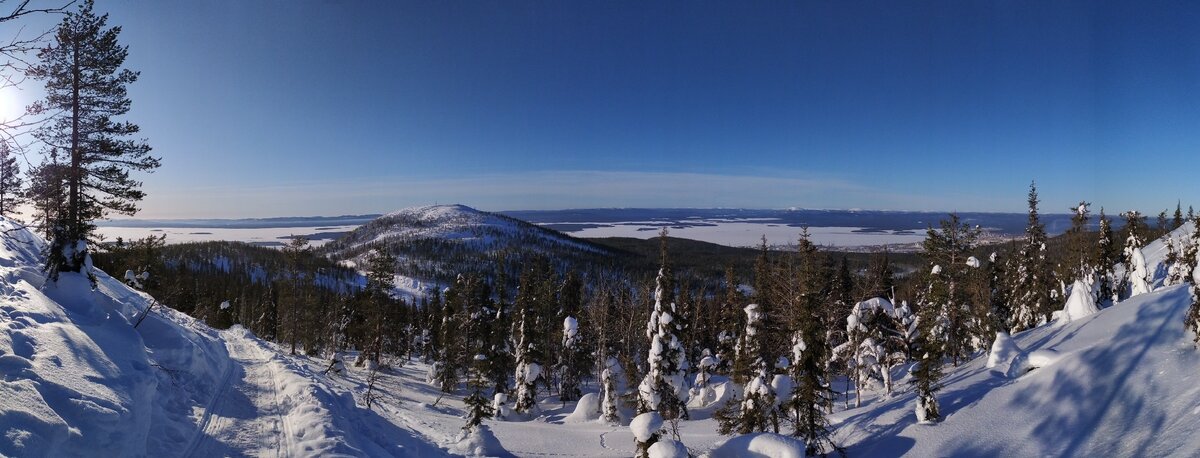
438 242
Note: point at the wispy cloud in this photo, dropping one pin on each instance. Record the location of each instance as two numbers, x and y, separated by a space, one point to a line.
532 191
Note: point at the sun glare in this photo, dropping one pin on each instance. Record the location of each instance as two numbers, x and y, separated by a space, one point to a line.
10 105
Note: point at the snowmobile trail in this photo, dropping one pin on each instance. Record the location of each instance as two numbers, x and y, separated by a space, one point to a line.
246 418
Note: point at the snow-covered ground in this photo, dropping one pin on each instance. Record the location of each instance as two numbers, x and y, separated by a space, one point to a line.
79 380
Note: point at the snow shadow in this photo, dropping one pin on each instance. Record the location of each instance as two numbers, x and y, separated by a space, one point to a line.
1097 394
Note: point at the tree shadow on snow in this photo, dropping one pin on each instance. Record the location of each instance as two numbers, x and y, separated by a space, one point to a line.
1093 415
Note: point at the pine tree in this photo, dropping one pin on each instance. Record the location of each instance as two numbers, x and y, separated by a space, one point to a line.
998 300
1192 256
1106 257
1162 221
46 194
571 361
1137 277
12 191
85 82
1034 283
608 386
1177 221
529 354
663 389
479 408
381 278
926 377
1079 250
729 323
947 297
811 395
444 373
297 251
752 413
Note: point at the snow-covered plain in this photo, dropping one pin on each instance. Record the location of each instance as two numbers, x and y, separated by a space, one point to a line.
750 233
270 236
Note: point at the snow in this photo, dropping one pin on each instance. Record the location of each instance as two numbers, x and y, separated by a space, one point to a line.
586 409
646 425
77 380
936 270
224 305
275 236
973 262
1081 303
759 445
80 380
667 448
479 442
1112 385
1003 351
1140 277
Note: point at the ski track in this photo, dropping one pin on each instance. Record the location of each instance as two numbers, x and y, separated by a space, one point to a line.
246 412
206 427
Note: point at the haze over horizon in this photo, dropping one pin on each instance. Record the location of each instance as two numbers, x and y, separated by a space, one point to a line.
333 108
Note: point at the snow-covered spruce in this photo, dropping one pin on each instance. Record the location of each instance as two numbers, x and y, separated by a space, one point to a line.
664 387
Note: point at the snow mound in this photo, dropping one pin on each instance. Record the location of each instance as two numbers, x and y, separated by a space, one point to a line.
479 442
759 445
667 448
1080 304
587 409
1004 350
646 425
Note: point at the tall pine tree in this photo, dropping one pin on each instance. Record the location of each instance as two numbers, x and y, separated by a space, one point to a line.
1033 282
85 84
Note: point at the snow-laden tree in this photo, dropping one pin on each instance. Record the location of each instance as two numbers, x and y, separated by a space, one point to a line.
529 370
444 372
570 362
1192 256
1034 286
1078 261
1107 255
1135 238
730 319
947 296
609 412
1139 274
664 387
1177 266
754 412
874 344
927 373
810 396
647 429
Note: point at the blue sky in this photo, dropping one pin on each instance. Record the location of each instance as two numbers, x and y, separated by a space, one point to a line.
335 107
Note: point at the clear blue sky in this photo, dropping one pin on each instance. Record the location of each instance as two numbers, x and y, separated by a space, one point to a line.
269 108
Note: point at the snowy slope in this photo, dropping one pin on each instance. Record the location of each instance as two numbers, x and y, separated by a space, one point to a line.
77 379
1121 382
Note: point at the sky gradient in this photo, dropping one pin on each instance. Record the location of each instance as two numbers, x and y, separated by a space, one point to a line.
263 108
